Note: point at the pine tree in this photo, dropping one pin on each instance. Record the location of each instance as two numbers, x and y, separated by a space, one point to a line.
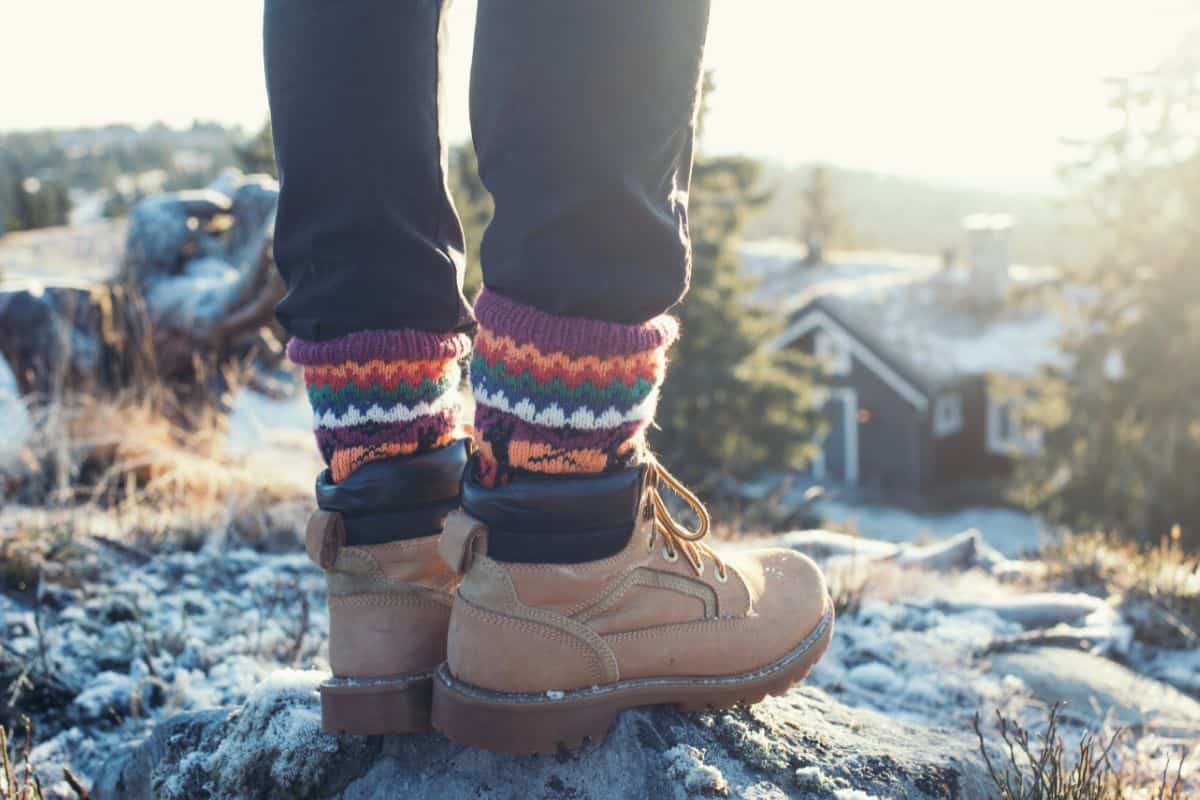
1123 447
731 406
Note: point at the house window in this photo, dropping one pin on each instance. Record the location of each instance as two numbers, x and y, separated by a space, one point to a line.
832 352
947 414
1006 434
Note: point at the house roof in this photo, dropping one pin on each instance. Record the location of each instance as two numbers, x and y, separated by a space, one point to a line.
919 323
859 324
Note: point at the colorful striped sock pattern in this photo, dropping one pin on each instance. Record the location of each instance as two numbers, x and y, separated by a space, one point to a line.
379 394
561 395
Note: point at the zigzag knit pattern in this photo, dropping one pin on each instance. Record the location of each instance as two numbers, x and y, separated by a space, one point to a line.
379 394
561 395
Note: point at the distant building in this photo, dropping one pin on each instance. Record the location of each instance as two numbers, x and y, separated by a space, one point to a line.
913 358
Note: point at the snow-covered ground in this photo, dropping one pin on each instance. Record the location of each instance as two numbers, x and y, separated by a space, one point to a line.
137 642
90 251
275 431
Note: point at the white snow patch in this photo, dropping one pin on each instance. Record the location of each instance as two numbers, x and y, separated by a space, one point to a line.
275 433
875 676
686 763
853 794
108 693
1010 531
811 779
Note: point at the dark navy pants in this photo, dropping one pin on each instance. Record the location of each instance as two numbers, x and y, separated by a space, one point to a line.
582 115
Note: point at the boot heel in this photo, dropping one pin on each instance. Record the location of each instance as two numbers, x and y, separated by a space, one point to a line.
516 728
370 707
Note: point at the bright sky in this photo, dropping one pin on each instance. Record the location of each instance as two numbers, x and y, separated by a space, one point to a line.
964 90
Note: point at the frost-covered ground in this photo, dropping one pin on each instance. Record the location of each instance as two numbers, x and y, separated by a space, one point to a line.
87 252
118 639
115 643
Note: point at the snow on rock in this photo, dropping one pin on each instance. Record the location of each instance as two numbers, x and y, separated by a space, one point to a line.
1180 668
1010 531
915 662
1039 609
960 551
955 552
1097 690
822 545
785 747
686 763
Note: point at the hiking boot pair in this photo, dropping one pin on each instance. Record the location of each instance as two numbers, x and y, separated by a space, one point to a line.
509 642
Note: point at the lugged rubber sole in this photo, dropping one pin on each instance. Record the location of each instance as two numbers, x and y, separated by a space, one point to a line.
504 722
374 706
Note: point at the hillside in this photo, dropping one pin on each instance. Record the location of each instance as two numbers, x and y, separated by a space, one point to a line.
52 176
911 215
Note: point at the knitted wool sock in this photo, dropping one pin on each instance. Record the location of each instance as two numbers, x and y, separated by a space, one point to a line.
562 395
379 394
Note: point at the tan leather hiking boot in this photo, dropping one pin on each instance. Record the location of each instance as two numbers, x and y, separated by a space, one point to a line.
542 656
389 602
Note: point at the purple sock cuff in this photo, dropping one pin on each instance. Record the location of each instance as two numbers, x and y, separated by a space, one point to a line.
388 345
574 336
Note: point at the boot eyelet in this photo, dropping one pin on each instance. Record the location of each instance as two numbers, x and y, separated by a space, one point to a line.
670 555
722 575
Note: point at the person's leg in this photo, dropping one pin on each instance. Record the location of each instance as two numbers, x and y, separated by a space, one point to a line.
583 116
581 596
366 238
369 245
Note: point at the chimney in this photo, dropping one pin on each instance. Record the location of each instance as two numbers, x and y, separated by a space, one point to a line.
987 255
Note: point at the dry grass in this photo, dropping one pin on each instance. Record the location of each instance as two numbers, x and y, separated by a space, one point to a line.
21 781
127 474
1158 587
1038 767
848 586
18 783
133 470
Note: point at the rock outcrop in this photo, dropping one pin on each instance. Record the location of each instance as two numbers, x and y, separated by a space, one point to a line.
197 279
1095 690
804 745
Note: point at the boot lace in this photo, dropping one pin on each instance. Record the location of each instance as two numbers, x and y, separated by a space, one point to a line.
677 538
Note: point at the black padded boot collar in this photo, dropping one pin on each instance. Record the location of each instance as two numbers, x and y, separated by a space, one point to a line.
396 498
557 520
